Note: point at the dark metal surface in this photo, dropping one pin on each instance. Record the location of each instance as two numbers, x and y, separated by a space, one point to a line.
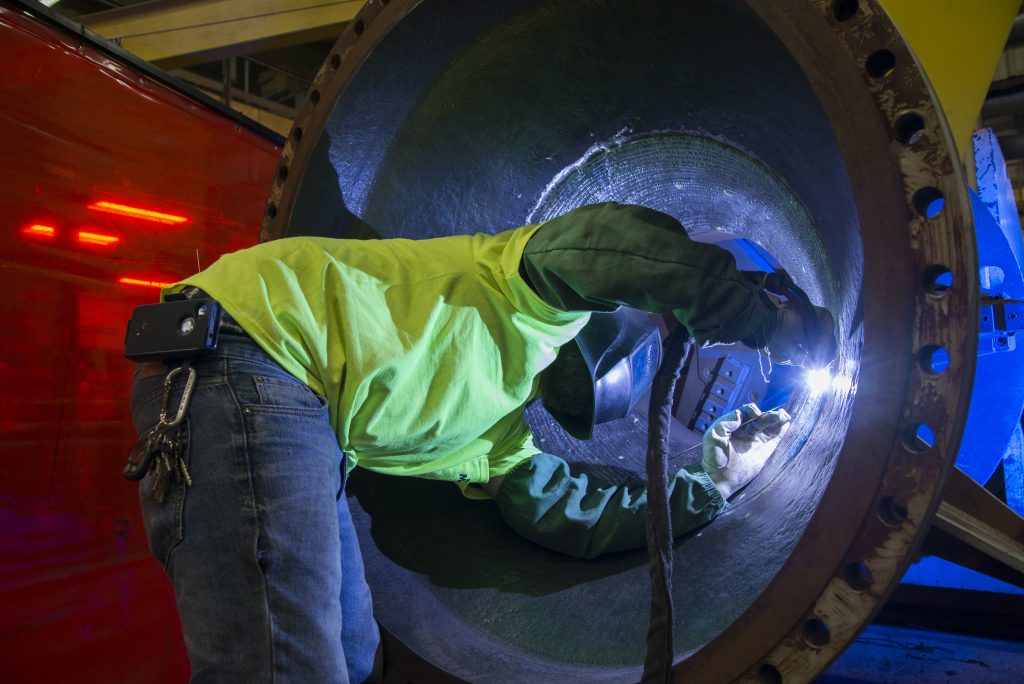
448 116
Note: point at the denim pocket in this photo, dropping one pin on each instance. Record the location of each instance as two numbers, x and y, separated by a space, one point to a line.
165 521
287 395
146 397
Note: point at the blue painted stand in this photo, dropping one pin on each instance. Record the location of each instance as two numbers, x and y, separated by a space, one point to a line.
992 435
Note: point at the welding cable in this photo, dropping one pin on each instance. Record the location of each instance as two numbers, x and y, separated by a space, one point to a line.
660 649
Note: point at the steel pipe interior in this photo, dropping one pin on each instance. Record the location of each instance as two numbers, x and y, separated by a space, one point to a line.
483 116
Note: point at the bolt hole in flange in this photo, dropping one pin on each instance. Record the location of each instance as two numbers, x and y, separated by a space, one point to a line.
844 10
858 576
929 202
919 438
769 674
892 511
937 279
934 359
880 63
909 129
816 632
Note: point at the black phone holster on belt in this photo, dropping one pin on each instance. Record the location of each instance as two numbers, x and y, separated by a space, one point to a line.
180 328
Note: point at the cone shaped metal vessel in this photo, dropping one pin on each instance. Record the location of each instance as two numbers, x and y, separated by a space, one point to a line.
806 127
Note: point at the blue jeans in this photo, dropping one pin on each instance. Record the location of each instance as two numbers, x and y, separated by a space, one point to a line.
260 549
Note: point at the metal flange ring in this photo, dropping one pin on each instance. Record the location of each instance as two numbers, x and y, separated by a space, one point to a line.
433 117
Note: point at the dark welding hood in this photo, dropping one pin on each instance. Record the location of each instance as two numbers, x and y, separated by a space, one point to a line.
606 369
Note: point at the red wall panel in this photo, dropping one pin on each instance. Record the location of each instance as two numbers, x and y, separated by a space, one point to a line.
81 599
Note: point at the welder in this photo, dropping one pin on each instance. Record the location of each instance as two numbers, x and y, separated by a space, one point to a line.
418 358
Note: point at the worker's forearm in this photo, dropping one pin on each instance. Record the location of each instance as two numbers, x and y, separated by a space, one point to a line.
602 256
584 517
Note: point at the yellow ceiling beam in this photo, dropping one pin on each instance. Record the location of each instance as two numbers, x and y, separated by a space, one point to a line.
175 33
274 122
958 44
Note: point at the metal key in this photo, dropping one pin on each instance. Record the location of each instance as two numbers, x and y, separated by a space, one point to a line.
176 465
163 476
181 474
183 468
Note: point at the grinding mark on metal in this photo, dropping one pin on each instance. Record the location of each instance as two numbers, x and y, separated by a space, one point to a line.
708 185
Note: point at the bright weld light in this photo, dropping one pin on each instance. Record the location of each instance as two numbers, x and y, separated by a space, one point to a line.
97 238
39 230
818 381
842 383
144 283
136 212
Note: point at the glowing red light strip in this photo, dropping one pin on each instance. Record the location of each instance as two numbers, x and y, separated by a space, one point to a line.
144 283
136 212
40 230
97 238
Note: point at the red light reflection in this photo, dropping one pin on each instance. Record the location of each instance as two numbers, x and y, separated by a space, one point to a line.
39 230
76 575
91 238
139 213
144 283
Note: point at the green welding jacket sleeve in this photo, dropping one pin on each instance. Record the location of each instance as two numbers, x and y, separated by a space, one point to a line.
601 256
582 516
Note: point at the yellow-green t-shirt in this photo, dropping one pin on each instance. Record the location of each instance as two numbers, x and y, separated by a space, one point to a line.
427 350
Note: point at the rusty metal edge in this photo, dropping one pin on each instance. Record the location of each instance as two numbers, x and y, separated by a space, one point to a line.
362 35
896 515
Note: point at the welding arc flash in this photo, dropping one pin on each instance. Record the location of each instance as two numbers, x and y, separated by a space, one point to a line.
818 380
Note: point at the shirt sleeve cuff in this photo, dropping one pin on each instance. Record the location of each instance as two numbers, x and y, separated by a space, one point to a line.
708 488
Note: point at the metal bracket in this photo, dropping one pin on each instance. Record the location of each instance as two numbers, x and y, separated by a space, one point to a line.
1000 319
722 393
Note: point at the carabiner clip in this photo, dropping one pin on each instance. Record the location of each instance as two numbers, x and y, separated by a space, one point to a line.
186 395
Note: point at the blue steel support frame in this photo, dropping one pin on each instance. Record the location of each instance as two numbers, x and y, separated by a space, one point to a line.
993 431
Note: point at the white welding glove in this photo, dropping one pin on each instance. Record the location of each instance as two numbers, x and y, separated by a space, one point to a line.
738 444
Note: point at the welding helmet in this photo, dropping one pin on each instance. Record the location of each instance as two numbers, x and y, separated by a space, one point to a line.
601 374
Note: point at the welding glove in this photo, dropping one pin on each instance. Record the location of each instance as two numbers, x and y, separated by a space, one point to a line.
804 334
583 516
738 444
801 342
